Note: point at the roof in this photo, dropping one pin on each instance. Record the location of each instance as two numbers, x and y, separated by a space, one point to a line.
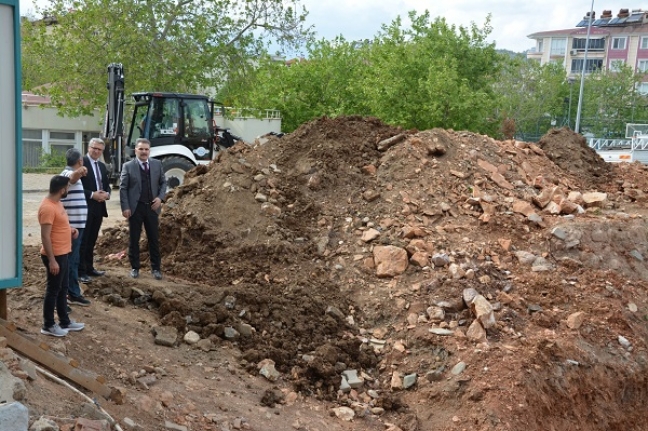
140 94
570 32
32 99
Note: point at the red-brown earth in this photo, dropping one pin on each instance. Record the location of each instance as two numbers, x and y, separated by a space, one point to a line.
333 249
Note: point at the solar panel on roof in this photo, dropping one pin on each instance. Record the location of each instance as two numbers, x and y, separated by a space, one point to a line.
614 21
583 23
623 20
635 18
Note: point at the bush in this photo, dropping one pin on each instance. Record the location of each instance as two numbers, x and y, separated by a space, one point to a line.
55 159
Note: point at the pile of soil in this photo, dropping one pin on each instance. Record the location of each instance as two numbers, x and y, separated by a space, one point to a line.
282 241
570 151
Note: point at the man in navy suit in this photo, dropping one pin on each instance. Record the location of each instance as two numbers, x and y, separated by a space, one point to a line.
96 188
142 187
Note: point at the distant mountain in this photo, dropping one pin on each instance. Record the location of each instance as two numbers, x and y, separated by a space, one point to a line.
511 53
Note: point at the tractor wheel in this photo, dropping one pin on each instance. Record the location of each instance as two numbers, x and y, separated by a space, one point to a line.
174 169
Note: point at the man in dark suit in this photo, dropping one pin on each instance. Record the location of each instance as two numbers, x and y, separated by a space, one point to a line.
96 188
142 187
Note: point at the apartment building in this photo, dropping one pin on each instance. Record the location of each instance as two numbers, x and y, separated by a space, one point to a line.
614 40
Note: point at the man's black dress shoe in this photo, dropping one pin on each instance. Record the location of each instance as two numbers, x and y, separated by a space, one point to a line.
85 279
96 273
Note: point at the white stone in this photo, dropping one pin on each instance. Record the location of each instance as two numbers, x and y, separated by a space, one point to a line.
191 337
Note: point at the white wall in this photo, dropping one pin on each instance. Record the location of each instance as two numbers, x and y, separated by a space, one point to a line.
250 128
40 124
37 117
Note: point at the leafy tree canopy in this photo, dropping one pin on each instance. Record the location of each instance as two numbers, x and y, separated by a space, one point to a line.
533 95
430 74
164 45
610 100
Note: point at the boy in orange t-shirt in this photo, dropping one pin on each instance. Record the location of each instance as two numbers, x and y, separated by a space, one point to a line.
56 235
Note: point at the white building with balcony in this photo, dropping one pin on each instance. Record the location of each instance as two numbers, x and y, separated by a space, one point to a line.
614 40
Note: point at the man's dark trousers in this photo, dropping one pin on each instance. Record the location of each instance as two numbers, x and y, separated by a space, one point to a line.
144 214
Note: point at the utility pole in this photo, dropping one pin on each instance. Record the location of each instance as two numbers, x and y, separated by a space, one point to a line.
570 81
582 83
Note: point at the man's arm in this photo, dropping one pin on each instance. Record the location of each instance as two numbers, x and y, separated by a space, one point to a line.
157 201
87 180
77 174
124 185
162 183
105 180
46 238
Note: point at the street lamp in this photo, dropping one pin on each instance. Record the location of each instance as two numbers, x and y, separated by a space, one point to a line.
582 85
570 81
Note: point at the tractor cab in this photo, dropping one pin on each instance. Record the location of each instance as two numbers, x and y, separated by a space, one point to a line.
175 124
172 118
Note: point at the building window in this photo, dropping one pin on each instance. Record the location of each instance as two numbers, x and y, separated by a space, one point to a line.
594 44
558 46
540 45
616 65
32 142
642 66
619 43
644 43
642 88
591 66
60 142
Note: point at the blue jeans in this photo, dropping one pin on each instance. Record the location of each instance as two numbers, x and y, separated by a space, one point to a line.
74 290
56 293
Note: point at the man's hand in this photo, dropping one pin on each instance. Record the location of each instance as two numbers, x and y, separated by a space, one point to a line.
100 196
53 267
126 214
75 233
77 174
157 203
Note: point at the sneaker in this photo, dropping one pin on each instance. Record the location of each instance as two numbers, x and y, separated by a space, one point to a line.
78 300
55 331
157 274
73 326
85 279
134 273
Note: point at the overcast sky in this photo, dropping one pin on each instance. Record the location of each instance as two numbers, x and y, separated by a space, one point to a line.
512 20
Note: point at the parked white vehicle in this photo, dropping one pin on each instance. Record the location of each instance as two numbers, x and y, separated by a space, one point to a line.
632 149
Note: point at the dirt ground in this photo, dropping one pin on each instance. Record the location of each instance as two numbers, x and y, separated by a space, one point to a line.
472 284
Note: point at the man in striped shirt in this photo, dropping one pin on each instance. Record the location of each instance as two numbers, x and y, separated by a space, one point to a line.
77 210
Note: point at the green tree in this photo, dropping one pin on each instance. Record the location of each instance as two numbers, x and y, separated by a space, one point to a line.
611 100
428 75
327 83
534 96
166 45
432 75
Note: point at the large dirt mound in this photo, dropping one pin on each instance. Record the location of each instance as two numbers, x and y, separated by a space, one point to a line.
570 151
346 242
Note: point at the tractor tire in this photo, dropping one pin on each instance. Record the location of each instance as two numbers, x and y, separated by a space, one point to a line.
174 169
